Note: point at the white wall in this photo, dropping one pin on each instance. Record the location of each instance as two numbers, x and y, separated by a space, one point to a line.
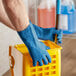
7 37
75 2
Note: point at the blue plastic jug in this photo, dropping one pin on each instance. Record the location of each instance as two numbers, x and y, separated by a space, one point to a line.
71 14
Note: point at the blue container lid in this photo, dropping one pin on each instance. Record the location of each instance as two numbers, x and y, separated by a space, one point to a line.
64 9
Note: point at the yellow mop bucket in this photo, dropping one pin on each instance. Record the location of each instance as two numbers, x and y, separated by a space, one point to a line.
21 62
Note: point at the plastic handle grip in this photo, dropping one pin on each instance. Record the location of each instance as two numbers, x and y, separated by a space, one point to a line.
58 11
58 6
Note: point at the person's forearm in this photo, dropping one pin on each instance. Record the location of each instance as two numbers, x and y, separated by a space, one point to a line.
4 18
16 11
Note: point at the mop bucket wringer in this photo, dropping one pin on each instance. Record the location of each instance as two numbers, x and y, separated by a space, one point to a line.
20 54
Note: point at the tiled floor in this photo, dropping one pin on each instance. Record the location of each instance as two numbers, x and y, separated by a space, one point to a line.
68 58
8 73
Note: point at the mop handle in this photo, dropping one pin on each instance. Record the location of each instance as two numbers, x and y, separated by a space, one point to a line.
58 11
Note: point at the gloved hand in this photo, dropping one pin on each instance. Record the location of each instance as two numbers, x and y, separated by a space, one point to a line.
36 48
48 33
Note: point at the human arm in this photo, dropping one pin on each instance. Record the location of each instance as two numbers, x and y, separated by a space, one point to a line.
42 33
4 18
16 11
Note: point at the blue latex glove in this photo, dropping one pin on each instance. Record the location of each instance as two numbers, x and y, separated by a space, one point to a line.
36 48
48 33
